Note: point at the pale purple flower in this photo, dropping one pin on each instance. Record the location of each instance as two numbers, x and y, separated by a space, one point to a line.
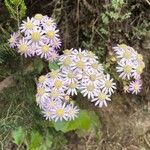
23 47
44 50
107 84
101 98
125 69
60 112
135 86
72 111
14 39
89 89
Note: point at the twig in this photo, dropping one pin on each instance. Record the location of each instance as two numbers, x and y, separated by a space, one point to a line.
147 142
147 2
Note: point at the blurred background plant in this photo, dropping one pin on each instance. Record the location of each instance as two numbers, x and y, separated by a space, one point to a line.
95 25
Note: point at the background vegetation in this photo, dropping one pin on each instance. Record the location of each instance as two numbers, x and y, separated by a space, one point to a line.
91 24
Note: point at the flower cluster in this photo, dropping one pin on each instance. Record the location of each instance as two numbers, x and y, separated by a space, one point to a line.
130 67
79 71
37 36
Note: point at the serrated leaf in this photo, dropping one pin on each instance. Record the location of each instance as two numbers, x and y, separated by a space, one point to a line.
18 135
84 121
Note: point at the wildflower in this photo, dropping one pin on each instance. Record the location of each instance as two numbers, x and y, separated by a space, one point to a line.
107 84
23 47
60 112
72 111
89 90
125 69
135 86
14 39
101 99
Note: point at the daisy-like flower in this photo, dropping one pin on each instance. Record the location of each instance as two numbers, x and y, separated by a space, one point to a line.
48 22
53 56
107 84
50 104
126 89
59 84
72 88
28 26
91 75
78 53
36 36
135 86
66 62
44 50
101 99
23 47
42 92
97 66
54 74
14 39
125 69
138 69
60 112
56 43
47 114
51 34
89 90
72 112
56 94
69 76
91 57
45 80
38 18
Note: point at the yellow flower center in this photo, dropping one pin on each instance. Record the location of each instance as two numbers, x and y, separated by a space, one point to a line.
58 84
67 52
50 34
80 55
60 112
38 16
91 54
95 65
71 75
40 91
23 48
35 36
136 87
93 77
71 112
127 54
54 94
67 62
139 70
52 103
42 79
45 48
90 87
127 69
72 85
12 40
101 96
123 45
49 22
80 64
54 74
29 25
139 57
108 84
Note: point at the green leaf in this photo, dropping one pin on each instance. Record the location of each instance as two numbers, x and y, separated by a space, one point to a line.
36 141
18 135
53 65
17 8
85 121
